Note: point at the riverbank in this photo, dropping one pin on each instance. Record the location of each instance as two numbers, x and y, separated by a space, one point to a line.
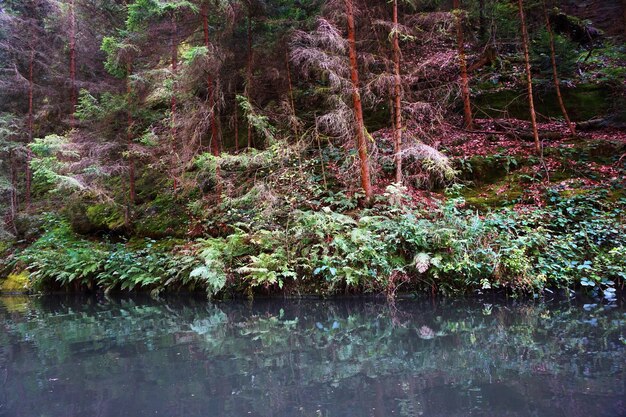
510 221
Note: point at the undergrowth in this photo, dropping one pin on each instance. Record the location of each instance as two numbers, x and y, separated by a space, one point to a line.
573 241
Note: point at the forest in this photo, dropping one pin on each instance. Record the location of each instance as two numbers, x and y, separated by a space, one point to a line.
313 147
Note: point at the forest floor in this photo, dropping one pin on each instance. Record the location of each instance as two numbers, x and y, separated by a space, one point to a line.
506 167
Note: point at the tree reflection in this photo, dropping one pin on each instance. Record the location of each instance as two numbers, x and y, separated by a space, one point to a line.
71 356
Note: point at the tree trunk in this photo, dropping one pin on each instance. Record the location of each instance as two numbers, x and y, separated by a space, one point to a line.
174 63
215 147
529 79
129 135
27 171
236 125
249 75
555 73
291 100
173 104
397 94
72 64
624 13
210 87
14 202
465 90
482 21
358 110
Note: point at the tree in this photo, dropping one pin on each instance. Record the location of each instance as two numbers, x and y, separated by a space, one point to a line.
72 48
397 92
555 73
361 143
529 79
465 90
24 50
210 83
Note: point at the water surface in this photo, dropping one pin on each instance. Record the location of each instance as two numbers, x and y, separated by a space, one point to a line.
83 357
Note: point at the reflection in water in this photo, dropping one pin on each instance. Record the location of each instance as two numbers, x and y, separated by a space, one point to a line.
76 357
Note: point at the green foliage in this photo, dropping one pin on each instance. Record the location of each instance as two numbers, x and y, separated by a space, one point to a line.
48 166
566 54
141 11
194 53
94 109
59 257
113 48
260 122
575 240
586 235
105 215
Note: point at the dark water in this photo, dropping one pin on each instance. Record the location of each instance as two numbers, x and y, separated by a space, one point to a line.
137 357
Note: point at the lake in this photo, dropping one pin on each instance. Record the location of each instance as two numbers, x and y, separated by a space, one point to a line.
71 356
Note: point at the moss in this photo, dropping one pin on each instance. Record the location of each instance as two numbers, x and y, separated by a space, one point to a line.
104 215
16 283
489 169
500 194
160 218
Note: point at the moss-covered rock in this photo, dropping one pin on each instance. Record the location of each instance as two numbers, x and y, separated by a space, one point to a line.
28 226
105 216
17 283
492 196
161 218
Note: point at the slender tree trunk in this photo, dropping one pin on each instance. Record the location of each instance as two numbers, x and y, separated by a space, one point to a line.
465 90
624 13
293 110
30 127
14 202
482 21
129 135
174 63
529 79
361 143
236 125
555 73
72 63
210 87
397 94
173 104
215 147
291 100
249 75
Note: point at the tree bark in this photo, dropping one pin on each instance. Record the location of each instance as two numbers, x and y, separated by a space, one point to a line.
529 79
249 74
72 64
236 122
14 202
210 87
215 148
291 100
129 135
624 13
555 73
174 63
27 171
397 94
465 90
482 21
356 99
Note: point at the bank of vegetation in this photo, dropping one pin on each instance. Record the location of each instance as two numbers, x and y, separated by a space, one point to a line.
317 147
